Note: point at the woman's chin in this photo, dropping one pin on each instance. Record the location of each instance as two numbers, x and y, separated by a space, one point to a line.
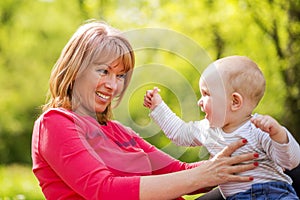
100 108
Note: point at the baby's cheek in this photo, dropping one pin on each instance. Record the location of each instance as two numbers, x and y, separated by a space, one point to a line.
218 113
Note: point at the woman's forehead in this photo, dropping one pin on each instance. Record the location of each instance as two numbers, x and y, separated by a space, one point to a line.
112 64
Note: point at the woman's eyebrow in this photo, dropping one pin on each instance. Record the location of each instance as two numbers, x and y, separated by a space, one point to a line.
116 65
101 63
109 66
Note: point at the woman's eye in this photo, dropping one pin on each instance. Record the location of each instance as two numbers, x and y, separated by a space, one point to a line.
121 76
102 71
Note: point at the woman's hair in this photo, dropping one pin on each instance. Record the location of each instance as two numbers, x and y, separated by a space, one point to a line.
92 42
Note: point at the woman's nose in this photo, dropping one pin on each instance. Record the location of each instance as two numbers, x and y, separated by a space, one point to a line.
111 82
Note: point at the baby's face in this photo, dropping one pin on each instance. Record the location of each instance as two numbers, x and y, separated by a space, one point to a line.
213 97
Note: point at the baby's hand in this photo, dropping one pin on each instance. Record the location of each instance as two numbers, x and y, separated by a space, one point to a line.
268 124
152 98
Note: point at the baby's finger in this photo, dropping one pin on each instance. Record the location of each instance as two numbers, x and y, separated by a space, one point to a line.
155 90
147 100
147 104
149 93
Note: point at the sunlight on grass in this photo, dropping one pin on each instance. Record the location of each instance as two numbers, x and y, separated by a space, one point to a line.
18 183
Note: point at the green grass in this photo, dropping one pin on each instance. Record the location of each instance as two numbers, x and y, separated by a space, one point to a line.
17 182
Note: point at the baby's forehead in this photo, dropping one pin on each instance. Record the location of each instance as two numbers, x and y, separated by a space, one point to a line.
210 71
212 77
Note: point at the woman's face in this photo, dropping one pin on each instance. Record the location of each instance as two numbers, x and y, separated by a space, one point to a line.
97 86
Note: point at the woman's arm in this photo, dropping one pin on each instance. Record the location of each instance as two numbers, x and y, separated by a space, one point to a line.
220 169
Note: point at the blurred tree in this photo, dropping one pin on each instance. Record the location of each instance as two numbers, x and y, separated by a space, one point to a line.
281 22
33 32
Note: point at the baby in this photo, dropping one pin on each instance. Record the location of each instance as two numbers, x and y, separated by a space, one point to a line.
231 88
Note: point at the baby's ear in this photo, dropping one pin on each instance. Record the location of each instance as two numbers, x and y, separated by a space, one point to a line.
236 101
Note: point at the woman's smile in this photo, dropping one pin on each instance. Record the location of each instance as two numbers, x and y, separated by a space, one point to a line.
103 96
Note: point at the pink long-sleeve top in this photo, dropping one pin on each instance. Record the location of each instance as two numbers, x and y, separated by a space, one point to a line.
74 157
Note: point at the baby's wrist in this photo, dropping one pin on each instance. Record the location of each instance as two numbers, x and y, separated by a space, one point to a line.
154 106
281 136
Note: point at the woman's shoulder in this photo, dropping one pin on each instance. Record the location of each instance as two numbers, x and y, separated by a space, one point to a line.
56 114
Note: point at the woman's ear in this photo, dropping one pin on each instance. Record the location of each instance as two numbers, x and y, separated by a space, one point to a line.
236 101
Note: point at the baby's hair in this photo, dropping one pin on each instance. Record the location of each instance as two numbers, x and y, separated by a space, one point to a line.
244 77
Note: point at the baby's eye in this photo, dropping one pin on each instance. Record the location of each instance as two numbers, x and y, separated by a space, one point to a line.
122 76
204 93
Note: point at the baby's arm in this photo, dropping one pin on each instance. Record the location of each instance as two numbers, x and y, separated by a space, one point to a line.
268 124
180 132
152 98
285 150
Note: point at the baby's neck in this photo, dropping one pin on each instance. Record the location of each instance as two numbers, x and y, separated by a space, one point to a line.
235 124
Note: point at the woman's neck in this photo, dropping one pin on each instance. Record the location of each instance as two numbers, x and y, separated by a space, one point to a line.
83 112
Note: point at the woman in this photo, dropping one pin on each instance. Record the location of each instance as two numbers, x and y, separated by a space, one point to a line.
79 152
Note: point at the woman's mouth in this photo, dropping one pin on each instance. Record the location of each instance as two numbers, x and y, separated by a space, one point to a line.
106 97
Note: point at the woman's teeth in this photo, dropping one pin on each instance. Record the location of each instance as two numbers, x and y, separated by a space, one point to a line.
102 95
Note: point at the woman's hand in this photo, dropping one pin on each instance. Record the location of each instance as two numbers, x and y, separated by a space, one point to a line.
220 169
223 168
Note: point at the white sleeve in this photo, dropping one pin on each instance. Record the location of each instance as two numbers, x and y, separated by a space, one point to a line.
180 132
286 155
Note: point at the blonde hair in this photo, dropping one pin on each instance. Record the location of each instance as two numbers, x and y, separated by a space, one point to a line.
92 41
243 76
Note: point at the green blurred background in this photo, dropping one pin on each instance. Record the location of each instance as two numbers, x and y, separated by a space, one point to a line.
184 36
